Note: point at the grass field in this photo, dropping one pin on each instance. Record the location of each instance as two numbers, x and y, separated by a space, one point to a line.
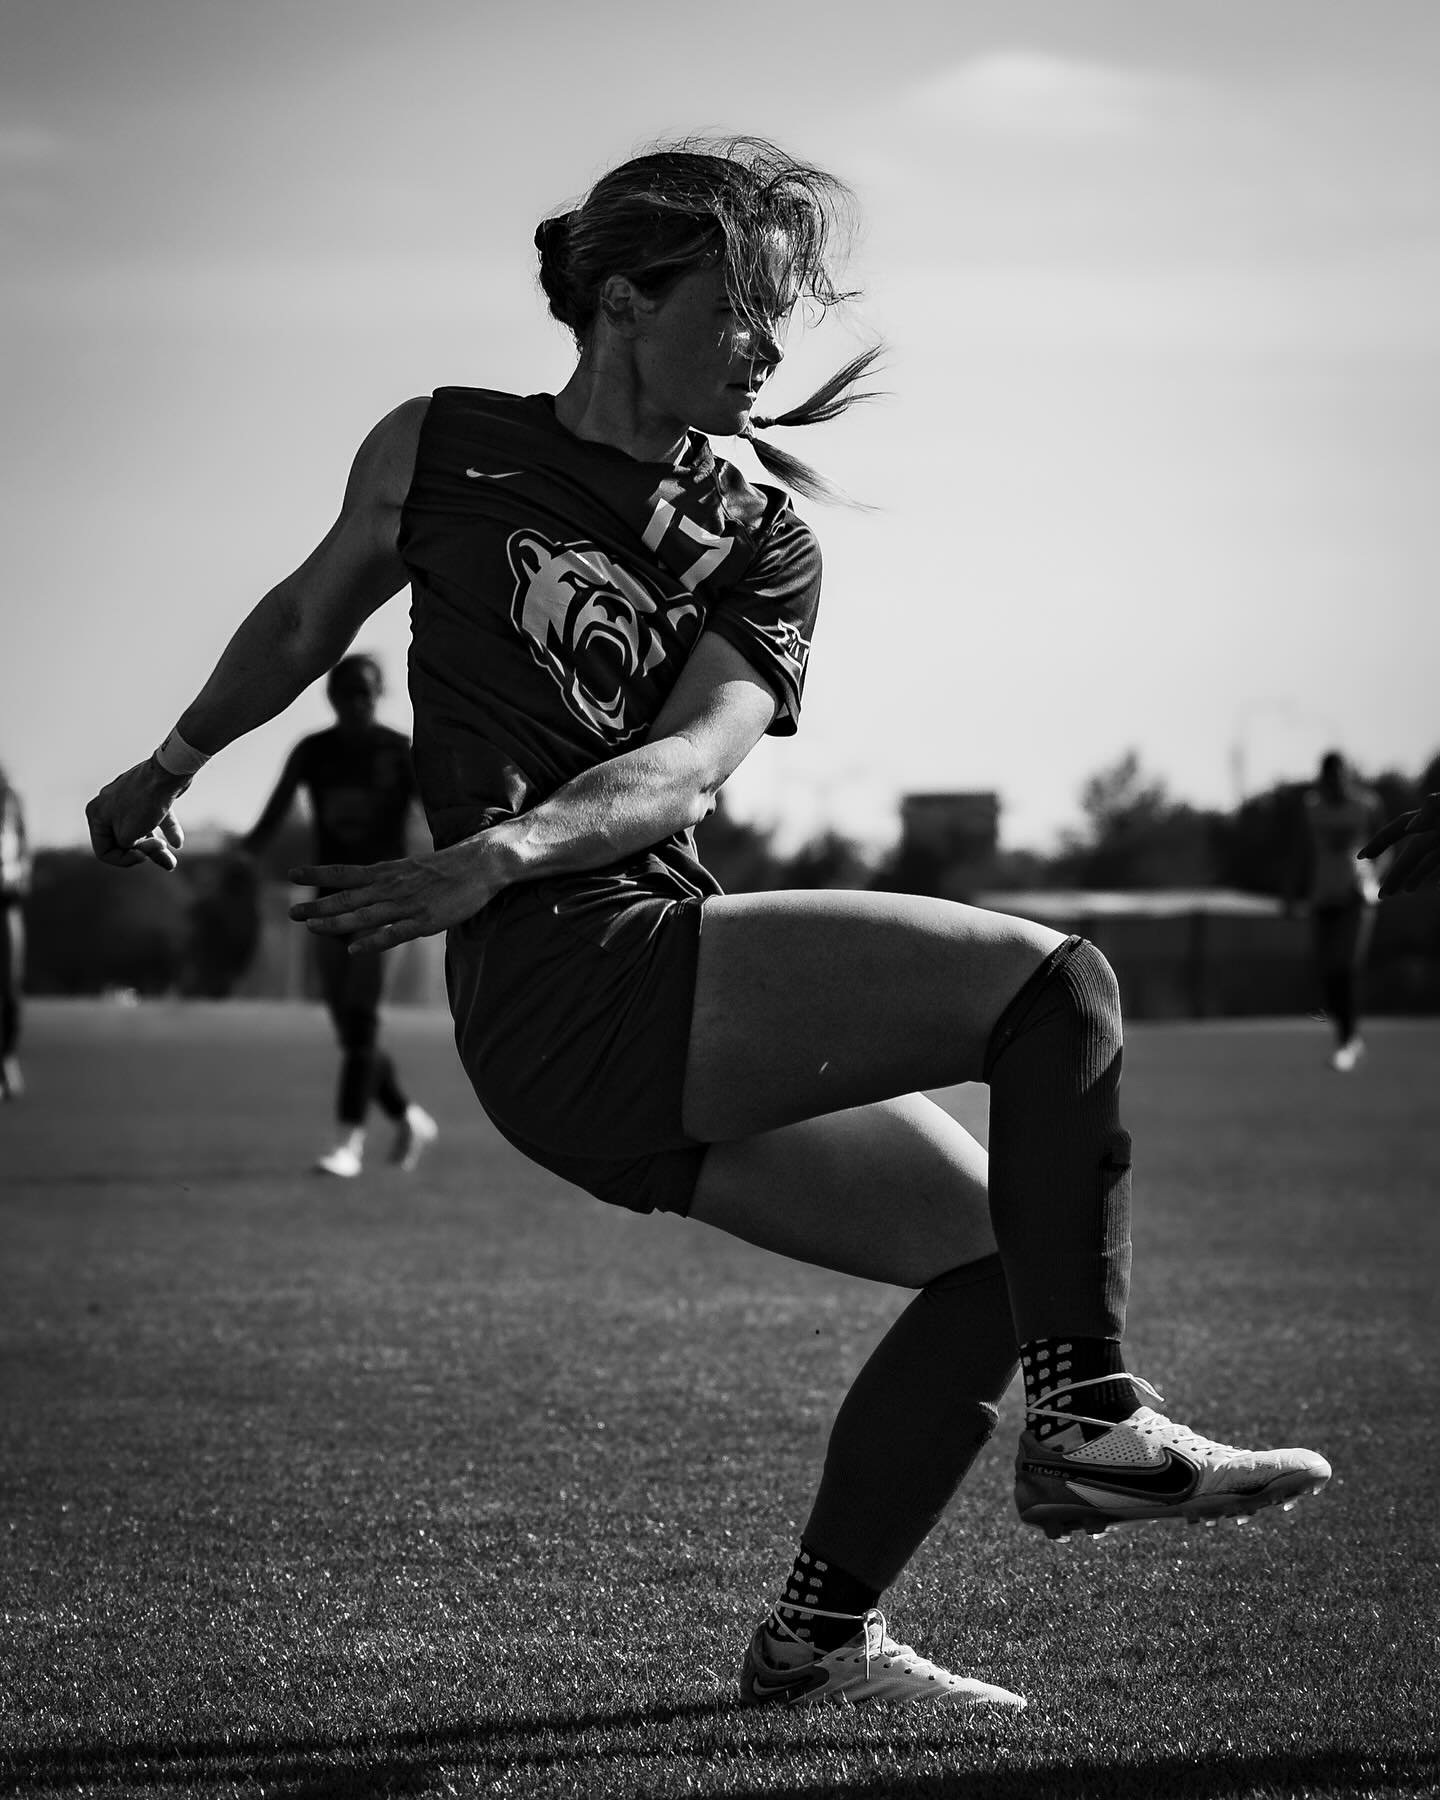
462 1483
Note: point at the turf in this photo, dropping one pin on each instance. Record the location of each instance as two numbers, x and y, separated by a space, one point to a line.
461 1483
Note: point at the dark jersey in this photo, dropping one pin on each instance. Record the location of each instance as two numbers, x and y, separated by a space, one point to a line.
558 587
1338 826
359 788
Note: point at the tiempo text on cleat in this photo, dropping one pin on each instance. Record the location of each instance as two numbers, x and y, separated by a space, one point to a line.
781 1669
1148 1467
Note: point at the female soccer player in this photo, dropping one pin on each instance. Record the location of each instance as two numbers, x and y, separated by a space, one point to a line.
361 787
606 618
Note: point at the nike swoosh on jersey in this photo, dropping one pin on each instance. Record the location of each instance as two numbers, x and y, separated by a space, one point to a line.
493 474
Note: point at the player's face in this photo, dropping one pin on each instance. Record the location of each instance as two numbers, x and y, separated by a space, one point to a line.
355 702
703 363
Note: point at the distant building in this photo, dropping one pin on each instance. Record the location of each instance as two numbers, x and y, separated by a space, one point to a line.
953 828
948 843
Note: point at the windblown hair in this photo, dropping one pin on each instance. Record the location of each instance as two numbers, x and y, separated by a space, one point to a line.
777 228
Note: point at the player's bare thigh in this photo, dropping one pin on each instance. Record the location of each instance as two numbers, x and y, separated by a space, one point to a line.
807 1003
895 1191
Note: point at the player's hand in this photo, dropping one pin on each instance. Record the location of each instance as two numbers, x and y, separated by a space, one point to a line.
130 819
1415 837
379 905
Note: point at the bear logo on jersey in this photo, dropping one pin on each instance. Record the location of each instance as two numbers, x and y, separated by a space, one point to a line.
594 626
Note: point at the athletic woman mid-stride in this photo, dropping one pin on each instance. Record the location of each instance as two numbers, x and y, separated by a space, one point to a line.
606 619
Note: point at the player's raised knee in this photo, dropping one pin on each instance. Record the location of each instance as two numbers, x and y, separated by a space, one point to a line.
1073 994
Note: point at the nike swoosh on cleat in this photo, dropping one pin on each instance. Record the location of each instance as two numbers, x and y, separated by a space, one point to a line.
1171 1480
493 474
790 1687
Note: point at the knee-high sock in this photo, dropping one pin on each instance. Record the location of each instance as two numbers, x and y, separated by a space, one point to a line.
1341 1002
913 1421
1059 1160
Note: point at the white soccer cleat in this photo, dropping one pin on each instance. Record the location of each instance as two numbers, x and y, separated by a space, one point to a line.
1347 1055
781 1669
1148 1467
413 1136
12 1082
342 1161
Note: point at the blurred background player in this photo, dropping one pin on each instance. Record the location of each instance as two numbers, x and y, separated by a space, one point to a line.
358 780
1339 814
14 886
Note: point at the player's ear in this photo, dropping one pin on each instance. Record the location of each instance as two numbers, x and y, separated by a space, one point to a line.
622 306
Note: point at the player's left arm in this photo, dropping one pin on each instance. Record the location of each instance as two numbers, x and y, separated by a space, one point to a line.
717 712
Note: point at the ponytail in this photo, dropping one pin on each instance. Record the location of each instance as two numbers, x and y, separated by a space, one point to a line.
829 400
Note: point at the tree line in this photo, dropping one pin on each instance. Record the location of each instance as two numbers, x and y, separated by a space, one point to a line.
194 932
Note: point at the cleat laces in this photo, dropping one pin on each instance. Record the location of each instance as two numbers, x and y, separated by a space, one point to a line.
1039 1411
872 1620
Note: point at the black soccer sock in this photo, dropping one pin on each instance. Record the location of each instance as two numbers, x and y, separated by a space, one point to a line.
913 1422
1049 1364
815 1582
356 1086
1059 1160
389 1095
1341 1003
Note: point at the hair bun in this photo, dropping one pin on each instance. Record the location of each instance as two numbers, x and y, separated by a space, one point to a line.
551 234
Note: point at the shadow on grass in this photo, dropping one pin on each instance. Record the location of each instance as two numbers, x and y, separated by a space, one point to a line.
1230 1776
314 1768
366 1767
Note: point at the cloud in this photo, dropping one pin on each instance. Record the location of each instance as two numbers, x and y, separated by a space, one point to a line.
1035 93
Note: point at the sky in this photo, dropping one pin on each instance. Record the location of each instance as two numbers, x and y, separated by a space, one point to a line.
1158 460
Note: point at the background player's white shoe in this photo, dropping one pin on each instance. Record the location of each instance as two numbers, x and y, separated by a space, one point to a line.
12 1082
781 1669
344 1160
1347 1055
413 1135
1148 1467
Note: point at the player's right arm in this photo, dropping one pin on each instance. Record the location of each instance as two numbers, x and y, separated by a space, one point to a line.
1415 839
301 628
276 808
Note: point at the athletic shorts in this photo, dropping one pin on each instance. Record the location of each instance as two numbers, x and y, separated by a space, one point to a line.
572 1001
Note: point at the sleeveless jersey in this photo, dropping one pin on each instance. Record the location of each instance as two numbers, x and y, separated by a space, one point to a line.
558 587
1338 827
359 789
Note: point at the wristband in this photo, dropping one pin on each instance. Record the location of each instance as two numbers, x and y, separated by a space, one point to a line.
180 759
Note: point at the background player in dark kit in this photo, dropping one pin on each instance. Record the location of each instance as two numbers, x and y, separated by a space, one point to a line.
15 865
358 780
1339 814
606 618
